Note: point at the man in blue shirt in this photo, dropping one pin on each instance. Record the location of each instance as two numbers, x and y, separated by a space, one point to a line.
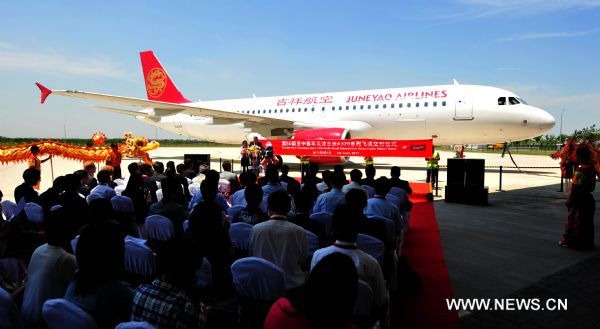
327 202
213 177
379 206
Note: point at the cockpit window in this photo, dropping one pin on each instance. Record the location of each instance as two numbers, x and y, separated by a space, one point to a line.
513 101
521 100
501 100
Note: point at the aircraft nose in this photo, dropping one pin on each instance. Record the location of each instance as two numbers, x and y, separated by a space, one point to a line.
542 120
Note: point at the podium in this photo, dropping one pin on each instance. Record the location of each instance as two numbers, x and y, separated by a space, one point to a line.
465 179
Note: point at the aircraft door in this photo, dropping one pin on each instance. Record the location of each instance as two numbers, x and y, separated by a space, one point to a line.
463 109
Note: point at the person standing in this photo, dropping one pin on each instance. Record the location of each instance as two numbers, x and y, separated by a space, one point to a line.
433 167
579 227
114 160
244 156
34 162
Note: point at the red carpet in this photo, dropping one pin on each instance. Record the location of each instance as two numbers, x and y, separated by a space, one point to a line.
425 308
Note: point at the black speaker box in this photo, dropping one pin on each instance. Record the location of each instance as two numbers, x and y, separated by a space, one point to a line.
199 159
456 172
475 173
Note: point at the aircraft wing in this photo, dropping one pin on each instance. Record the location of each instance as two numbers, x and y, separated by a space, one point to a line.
166 107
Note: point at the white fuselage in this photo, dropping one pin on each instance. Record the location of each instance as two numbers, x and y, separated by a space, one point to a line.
449 114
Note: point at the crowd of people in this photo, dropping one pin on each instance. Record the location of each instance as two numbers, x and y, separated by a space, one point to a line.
70 242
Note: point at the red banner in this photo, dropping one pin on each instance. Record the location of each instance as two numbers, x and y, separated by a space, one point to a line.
353 147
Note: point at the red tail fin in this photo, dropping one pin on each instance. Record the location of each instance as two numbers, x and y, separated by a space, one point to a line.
159 85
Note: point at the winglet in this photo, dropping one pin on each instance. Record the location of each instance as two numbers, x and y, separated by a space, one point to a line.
45 92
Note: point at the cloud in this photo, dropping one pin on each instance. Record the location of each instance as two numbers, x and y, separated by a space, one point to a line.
545 35
476 9
14 59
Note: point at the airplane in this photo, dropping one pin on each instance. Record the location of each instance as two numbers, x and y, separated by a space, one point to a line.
448 114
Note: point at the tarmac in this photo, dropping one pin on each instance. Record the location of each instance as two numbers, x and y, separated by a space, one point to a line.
507 248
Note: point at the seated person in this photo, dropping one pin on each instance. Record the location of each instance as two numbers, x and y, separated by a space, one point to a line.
31 177
355 177
96 287
379 206
168 205
50 269
303 202
327 202
395 180
103 189
232 178
251 214
238 198
280 241
345 227
331 291
212 176
166 302
370 179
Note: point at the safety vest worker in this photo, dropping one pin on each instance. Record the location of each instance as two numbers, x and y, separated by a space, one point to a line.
432 162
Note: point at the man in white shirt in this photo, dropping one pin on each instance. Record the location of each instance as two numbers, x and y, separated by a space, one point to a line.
102 189
50 269
280 241
355 176
232 178
379 206
345 226
327 202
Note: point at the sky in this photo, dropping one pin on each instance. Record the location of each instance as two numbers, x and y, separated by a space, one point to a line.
546 51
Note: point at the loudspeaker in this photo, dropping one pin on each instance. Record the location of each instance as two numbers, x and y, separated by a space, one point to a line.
456 172
199 159
475 173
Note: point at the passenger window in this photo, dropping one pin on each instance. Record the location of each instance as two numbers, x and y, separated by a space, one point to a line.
513 101
354 107
347 107
426 104
407 104
434 104
501 100
312 109
417 104
323 108
333 108
376 106
362 107
392 105
368 107
444 103
400 105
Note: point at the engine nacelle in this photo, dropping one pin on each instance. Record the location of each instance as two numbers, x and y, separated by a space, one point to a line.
325 134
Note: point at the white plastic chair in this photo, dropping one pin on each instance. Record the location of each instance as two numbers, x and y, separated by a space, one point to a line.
119 181
121 203
34 212
159 227
9 209
193 188
10 317
258 279
159 195
370 190
60 313
363 307
135 325
390 227
119 189
139 258
325 218
204 275
371 246
234 211
240 235
313 241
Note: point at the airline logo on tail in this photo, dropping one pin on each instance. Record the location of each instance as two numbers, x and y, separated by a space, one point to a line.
156 82
159 85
